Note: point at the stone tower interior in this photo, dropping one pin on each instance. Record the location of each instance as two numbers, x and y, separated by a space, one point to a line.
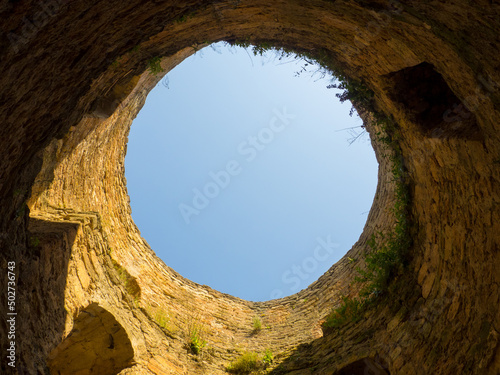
91 297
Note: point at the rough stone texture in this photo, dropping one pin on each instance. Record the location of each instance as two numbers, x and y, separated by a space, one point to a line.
74 77
97 344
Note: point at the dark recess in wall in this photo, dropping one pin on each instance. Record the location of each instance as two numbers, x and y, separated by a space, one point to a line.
433 106
365 366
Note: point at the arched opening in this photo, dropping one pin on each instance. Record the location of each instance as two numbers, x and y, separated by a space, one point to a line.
97 344
365 366
247 174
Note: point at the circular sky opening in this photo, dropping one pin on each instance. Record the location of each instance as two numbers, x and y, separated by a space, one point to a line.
247 174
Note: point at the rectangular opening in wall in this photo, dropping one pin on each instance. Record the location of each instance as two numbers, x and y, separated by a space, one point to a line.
429 102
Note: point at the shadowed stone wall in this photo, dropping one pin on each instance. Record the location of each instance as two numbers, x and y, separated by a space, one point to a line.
74 77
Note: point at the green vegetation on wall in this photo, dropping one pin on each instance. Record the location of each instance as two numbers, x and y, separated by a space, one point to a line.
387 257
196 334
154 65
250 362
257 324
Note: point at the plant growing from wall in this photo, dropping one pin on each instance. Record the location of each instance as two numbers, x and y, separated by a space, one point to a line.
247 363
250 362
154 65
196 333
349 311
34 241
353 89
197 343
268 357
257 324
386 259
181 19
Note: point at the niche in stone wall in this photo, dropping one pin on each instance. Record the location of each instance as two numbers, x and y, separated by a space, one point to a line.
431 104
365 366
97 344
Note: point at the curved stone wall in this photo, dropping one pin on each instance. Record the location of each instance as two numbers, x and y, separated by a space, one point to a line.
75 76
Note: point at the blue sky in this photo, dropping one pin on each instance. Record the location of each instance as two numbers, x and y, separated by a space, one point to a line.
240 176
